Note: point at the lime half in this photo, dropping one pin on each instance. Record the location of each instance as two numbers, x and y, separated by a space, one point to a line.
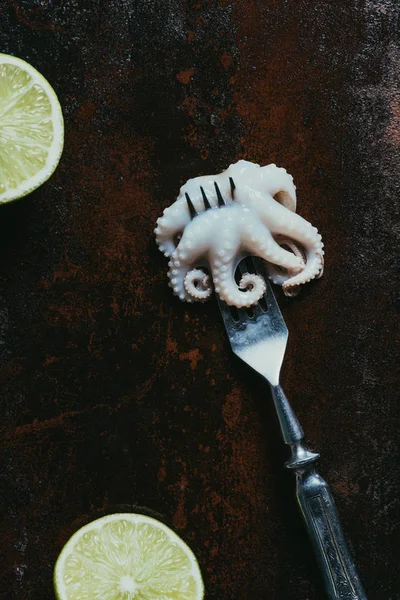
127 557
31 129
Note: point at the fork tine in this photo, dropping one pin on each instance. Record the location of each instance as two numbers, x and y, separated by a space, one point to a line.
221 201
233 186
245 312
227 316
234 315
192 209
257 336
253 264
206 202
261 307
269 295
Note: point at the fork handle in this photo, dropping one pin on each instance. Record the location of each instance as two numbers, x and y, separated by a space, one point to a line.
322 521
318 509
291 429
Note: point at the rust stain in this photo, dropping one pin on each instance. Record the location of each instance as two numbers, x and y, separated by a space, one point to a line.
86 111
171 346
36 19
232 408
179 517
184 77
10 369
115 306
226 60
162 471
346 488
189 103
193 356
191 135
50 360
67 270
393 129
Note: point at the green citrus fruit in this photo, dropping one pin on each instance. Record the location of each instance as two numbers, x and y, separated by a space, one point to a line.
31 129
127 557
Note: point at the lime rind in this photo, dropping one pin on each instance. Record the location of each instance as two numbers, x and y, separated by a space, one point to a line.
31 129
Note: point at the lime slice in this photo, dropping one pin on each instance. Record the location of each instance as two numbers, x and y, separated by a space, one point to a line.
31 129
127 557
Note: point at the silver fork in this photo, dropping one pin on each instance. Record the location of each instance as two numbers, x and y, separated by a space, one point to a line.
258 336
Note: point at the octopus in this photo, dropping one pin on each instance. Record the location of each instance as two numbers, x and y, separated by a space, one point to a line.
218 220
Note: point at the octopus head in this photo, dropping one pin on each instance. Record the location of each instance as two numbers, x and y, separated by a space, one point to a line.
274 181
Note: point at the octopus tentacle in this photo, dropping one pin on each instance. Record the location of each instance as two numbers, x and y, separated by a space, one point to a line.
311 241
260 242
190 252
295 248
278 275
197 284
176 274
173 223
250 289
291 286
313 268
253 283
277 182
300 232
183 278
223 260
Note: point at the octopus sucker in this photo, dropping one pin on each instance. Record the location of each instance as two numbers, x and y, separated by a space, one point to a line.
217 220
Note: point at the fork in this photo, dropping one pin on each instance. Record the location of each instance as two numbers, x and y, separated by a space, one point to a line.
258 336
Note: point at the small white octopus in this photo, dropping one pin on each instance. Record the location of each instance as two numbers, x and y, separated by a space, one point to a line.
218 220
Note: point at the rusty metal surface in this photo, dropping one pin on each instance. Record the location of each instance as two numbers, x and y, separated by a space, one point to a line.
113 392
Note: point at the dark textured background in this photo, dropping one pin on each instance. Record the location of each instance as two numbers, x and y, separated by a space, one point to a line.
113 392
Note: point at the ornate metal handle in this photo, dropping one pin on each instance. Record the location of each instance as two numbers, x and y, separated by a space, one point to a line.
322 521
318 510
